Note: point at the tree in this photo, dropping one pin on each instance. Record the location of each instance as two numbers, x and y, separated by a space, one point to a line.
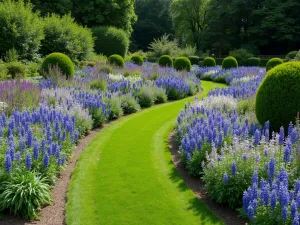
119 14
154 20
190 19
60 7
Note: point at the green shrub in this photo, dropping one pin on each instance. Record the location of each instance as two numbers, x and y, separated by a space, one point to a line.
63 34
229 62
165 61
116 60
3 71
160 95
62 61
182 63
162 46
23 194
129 104
11 56
137 59
114 108
209 62
107 69
110 40
253 61
194 60
97 116
98 84
194 166
16 69
278 96
20 29
274 62
145 96
241 55
32 69
291 55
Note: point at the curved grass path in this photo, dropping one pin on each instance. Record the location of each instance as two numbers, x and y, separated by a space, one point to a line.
126 175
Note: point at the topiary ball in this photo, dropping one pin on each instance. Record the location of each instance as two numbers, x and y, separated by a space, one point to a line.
137 59
116 60
274 62
291 55
165 61
110 40
229 62
209 62
253 61
194 59
61 60
277 98
182 63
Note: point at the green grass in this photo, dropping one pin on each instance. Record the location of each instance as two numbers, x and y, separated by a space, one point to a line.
126 175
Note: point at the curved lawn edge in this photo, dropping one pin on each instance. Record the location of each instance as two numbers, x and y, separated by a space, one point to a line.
126 174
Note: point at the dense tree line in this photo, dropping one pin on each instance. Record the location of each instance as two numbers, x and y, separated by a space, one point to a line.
262 26
216 26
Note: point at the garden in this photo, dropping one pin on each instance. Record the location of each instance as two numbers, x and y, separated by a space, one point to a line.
96 129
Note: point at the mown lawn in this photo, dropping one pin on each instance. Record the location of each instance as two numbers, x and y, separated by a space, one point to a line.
126 175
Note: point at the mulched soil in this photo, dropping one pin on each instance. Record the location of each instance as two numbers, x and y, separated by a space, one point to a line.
55 213
229 216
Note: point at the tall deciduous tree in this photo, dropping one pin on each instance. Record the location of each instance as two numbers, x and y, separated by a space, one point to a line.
115 13
190 19
154 20
60 7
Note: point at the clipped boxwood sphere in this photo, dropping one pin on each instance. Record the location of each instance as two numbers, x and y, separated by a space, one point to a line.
61 60
137 59
194 59
165 61
253 61
209 62
277 98
182 63
291 55
229 62
274 62
110 40
116 60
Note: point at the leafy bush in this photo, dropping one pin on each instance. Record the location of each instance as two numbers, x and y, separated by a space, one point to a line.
253 61
274 62
63 34
263 62
110 40
241 55
229 62
137 59
209 62
116 60
291 55
185 51
182 63
162 46
160 95
145 96
32 69
194 165
98 117
11 56
129 104
62 61
3 71
16 69
114 108
165 60
99 84
107 69
22 28
194 60
24 193
278 96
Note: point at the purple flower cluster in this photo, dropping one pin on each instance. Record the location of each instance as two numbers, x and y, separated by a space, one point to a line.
274 198
35 136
